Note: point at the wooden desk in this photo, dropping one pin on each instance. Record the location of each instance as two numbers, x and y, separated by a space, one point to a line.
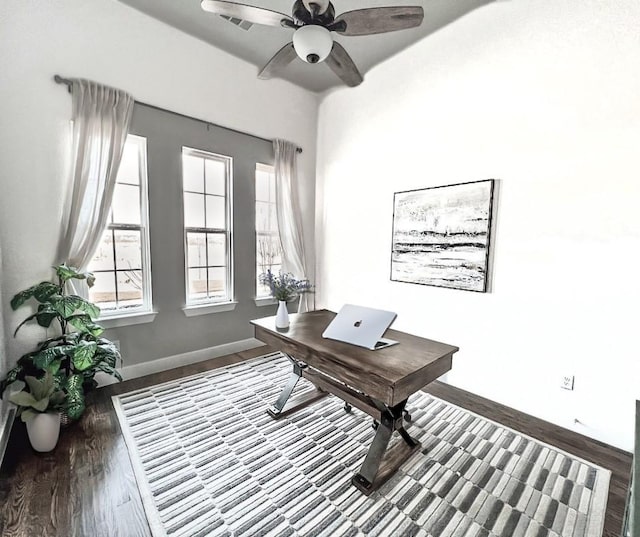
377 382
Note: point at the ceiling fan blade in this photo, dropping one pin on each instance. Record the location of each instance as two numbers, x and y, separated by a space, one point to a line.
342 65
255 15
378 20
280 60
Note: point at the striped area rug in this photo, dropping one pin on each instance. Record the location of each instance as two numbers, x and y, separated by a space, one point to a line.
209 461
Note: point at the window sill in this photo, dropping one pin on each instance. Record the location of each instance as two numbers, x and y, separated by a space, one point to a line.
265 301
129 319
205 309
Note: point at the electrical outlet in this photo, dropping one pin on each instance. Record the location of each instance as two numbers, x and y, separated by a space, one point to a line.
566 383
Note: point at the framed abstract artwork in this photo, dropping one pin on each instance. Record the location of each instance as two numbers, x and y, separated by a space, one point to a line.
441 235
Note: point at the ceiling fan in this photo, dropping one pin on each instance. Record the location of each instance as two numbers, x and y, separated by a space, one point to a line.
313 22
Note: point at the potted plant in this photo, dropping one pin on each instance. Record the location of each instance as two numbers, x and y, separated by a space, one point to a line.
284 287
77 353
39 408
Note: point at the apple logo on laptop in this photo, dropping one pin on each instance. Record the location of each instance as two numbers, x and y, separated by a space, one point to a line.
357 324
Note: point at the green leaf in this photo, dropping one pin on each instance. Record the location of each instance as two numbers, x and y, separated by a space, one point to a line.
89 308
73 338
45 290
42 404
80 321
28 415
66 306
13 375
46 314
66 273
23 399
44 358
84 323
108 353
59 380
44 344
106 368
83 355
75 396
95 329
25 295
38 388
54 367
57 398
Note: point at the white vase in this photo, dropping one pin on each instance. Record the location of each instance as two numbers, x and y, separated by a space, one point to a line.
282 315
43 431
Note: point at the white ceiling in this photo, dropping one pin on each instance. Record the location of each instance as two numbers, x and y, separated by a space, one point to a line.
258 44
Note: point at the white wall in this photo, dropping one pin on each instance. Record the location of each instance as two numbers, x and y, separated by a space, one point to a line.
111 43
543 96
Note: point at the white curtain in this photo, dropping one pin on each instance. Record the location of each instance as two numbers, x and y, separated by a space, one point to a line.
101 118
289 214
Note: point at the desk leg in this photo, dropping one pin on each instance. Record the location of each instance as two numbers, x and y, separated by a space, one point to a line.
283 406
380 464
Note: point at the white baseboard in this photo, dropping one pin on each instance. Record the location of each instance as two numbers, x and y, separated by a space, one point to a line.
186 358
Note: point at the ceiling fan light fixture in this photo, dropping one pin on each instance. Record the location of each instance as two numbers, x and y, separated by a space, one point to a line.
313 43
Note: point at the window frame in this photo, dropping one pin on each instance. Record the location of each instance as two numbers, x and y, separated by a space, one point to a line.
208 304
265 299
145 310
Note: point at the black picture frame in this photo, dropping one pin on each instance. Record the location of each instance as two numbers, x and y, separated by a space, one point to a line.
441 235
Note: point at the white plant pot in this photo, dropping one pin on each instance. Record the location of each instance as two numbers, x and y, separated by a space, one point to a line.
282 315
43 431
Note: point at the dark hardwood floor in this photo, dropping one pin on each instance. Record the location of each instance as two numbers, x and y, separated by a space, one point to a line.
86 487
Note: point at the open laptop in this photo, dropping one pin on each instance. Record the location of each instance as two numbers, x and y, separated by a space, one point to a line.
361 326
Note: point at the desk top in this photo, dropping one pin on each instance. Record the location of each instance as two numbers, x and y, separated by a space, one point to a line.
390 374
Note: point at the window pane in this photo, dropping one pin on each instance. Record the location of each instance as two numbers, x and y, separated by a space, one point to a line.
261 289
129 171
126 204
268 248
272 187
193 210
209 211
117 262
197 284
217 249
262 186
216 176
103 258
268 251
130 289
192 173
216 217
217 282
273 218
196 250
128 249
262 216
103 292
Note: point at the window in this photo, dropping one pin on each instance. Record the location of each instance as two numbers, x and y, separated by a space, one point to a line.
121 263
206 183
268 248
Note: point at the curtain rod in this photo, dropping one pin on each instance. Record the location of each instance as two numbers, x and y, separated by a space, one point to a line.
60 80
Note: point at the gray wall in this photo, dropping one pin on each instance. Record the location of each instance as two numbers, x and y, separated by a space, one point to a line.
4 367
172 332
